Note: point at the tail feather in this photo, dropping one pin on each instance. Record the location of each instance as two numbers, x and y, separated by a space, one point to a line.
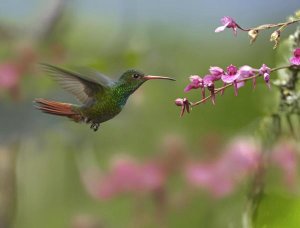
57 108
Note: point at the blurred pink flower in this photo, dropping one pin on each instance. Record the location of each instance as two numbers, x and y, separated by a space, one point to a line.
124 174
221 176
285 157
210 177
13 69
152 177
9 75
127 176
97 185
242 156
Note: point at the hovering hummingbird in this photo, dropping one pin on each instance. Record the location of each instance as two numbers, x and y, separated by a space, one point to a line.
102 98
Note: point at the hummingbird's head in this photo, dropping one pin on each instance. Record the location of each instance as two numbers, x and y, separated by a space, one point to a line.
134 79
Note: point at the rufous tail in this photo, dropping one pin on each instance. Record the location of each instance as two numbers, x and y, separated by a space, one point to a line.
57 108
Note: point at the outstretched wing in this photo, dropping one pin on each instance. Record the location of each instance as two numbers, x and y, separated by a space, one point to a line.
82 87
93 75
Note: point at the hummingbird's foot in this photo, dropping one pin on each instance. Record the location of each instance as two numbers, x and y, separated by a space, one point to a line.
95 126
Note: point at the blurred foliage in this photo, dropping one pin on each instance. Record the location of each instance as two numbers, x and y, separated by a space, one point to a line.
278 211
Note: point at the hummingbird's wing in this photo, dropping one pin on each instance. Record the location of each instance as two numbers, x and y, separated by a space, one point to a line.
91 74
82 87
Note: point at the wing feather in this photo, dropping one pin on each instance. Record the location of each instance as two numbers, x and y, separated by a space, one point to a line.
96 76
81 87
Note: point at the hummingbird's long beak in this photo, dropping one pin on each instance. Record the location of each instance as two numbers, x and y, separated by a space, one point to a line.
150 77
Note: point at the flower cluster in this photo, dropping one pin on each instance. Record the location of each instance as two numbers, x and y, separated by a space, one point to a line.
126 176
222 175
219 175
232 76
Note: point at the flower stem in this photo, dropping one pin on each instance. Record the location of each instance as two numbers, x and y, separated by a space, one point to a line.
269 26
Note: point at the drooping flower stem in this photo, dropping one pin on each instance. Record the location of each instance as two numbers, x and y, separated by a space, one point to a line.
219 90
253 32
281 26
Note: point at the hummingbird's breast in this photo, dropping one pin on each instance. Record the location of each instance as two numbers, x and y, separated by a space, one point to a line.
105 106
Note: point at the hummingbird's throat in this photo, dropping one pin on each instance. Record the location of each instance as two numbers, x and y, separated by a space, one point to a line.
123 91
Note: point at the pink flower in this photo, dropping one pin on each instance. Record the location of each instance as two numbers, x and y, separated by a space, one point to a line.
296 58
228 22
217 72
196 82
265 72
231 76
285 157
209 79
184 104
246 72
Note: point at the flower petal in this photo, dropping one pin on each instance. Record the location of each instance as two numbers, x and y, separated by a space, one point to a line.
295 60
222 28
246 71
188 88
217 72
240 84
229 78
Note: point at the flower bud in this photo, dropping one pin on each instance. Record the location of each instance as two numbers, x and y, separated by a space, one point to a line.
184 104
253 35
179 102
275 36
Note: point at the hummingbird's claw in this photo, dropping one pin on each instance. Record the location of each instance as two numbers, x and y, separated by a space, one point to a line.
95 126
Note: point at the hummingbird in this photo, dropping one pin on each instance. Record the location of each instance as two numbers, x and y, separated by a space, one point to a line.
101 97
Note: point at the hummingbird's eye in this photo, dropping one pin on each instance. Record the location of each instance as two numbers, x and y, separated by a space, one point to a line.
135 76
